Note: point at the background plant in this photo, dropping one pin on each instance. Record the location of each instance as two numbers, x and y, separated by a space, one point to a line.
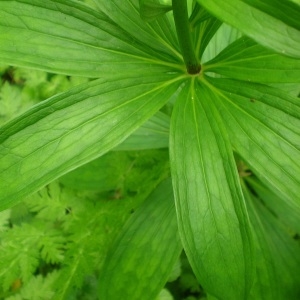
230 98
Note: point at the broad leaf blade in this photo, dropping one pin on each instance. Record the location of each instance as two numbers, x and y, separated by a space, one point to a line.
67 37
73 128
264 128
142 257
212 217
246 60
265 25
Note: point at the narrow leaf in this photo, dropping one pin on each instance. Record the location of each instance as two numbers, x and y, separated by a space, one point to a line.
142 257
246 60
264 128
212 217
265 25
74 128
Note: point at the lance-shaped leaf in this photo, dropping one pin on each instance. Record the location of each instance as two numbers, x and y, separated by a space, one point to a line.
264 24
264 128
277 255
246 60
73 128
63 36
142 257
212 217
159 33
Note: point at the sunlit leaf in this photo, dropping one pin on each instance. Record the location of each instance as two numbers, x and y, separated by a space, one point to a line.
264 128
246 60
74 128
272 25
67 37
211 212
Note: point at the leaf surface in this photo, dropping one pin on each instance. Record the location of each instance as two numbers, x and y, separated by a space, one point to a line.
211 212
73 128
67 37
246 60
264 128
145 251
278 255
265 23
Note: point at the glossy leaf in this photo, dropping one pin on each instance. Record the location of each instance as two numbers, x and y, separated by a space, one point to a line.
67 37
142 257
212 217
264 128
265 25
278 255
74 128
246 60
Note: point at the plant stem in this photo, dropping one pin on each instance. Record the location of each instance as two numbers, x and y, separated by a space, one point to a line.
183 33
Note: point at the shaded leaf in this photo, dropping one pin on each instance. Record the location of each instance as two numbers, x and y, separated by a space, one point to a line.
150 10
144 252
278 255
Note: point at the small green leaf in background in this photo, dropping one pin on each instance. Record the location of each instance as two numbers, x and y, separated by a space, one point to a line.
141 259
212 217
150 10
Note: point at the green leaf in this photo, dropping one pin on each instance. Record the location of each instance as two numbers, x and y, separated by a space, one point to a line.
159 34
277 254
62 36
142 256
265 23
286 214
150 10
211 212
246 60
74 128
264 128
153 134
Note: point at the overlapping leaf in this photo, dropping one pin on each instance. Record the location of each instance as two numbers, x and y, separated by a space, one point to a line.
264 21
144 253
67 37
246 60
73 128
212 217
278 256
264 128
